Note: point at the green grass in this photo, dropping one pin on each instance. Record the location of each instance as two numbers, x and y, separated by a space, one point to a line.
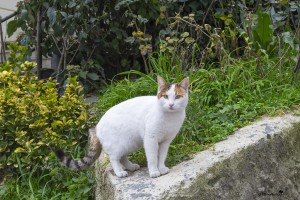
221 99
51 182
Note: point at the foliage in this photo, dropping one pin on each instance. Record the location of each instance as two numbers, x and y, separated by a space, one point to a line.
221 100
68 31
105 38
263 33
34 120
239 56
54 183
89 33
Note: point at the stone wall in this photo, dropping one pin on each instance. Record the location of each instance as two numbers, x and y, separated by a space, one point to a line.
260 161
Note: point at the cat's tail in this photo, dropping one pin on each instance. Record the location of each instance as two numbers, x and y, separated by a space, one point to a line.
94 151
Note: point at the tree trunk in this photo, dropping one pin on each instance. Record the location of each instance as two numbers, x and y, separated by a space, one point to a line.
39 56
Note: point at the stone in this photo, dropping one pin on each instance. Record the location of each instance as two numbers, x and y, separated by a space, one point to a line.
259 161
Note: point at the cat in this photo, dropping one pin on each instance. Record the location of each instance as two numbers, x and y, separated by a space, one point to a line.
148 121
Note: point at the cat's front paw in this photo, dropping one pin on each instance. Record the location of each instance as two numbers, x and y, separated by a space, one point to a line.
164 170
121 174
154 174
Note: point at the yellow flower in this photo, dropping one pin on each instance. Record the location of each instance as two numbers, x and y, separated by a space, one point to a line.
137 34
140 33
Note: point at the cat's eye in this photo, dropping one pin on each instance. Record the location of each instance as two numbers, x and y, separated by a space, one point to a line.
178 96
165 96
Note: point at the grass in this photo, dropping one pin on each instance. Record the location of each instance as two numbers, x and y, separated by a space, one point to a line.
221 99
51 182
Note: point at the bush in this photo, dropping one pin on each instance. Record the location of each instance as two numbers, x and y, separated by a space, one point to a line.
109 37
33 118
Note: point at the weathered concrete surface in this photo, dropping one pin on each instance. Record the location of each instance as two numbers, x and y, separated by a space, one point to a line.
260 161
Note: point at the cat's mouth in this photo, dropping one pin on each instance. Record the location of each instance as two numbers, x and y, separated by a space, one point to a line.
171 109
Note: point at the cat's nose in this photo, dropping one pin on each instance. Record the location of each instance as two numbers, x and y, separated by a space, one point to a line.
171 105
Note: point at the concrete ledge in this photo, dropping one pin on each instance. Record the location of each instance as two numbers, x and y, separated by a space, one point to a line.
260 161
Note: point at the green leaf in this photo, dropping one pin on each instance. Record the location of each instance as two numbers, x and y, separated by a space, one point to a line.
115 44
263 33
25 40
288 39
83 35
83 74
24 14
19 150
93 76
185 34
72 4
88 1
51 13
130 40
3 147
64 14
12 27
43 25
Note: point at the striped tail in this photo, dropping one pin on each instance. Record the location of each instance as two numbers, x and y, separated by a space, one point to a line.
94 151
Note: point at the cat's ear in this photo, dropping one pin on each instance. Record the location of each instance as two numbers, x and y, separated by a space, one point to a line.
161 82
185 83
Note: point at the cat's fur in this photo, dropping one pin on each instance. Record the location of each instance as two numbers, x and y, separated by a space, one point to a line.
149 121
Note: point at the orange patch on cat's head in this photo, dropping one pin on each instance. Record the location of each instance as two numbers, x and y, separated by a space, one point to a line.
179 91
163 87
180 88
163 90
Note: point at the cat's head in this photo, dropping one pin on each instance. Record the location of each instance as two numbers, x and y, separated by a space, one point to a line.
172 97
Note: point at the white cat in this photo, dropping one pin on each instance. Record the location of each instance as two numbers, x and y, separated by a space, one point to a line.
149 121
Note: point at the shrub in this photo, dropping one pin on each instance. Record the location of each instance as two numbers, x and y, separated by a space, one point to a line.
115 36
33 119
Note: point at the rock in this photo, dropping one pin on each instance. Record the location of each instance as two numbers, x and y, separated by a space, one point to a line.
259 161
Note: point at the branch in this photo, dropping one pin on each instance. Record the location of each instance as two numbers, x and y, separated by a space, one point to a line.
210 6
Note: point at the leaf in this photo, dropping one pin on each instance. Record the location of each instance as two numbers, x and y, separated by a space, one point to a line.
263 33
25 40
83 35
288 39
130 40
64 14
24 14
58 30
194 5
40 143
19 150
3 147
56 124
77 15
142 19
185 34
72 4
83 74
92 19
11 27
51 13
88 1
43 25
93 76
115 44
222 117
